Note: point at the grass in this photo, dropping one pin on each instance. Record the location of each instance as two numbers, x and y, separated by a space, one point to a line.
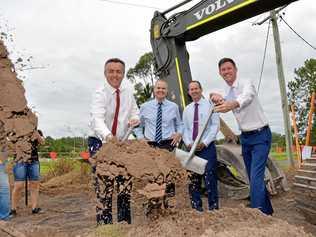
282 159
52 168
109 231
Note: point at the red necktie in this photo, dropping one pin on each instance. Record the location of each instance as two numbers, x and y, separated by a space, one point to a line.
117 110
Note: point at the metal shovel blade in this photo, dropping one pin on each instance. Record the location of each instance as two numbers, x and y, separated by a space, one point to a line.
195 163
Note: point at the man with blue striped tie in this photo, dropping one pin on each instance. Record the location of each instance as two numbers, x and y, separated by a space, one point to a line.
160 123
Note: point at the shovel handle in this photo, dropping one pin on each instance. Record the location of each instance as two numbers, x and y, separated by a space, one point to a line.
200 134
128 132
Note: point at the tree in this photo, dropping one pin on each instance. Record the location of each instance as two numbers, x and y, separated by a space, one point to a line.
300 91
143 77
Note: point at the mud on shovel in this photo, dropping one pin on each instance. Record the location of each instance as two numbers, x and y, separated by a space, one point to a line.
187 159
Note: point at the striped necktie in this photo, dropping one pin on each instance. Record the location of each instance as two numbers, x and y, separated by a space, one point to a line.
158 136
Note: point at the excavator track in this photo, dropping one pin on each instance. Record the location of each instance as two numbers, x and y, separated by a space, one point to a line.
233 176
305 189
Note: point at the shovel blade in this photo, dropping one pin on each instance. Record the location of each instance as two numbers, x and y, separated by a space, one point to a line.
195 164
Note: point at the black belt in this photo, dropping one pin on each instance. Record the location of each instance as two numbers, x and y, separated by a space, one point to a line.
163 144
255 131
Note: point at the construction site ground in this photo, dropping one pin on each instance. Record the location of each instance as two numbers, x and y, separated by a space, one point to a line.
69 210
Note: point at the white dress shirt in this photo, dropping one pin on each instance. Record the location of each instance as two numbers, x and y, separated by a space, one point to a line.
249 115
103 110
212 127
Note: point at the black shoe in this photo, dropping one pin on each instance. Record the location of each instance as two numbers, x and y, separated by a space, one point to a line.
213 207
37 210
13 213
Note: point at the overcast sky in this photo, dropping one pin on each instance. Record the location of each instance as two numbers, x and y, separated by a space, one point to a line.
73 38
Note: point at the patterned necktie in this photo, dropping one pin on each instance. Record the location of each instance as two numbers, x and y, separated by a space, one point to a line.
158 136
195 121
117 109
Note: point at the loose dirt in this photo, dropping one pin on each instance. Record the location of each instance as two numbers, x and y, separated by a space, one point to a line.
150 169
19 121
69 205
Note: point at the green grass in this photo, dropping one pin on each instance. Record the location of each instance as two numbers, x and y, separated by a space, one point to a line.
60 165
44 167
282 160
109 231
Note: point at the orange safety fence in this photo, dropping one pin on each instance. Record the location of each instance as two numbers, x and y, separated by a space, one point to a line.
53 155
85 155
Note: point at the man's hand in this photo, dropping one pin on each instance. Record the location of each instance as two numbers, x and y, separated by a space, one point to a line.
216 98
108 137
133 123
226 106
200 146
176 138
189 147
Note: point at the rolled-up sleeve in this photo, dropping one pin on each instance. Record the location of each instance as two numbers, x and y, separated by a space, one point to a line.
187 136
247 95
178 121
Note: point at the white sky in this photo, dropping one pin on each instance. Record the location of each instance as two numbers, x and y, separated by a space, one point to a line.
73 38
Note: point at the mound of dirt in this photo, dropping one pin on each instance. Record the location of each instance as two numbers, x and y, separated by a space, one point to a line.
150 168
19 121
226 222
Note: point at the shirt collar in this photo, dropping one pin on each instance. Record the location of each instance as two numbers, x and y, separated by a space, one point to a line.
199 101
233 86
157 102
112 89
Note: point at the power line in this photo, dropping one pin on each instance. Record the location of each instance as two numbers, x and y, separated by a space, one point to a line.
264 57
297 33
132 4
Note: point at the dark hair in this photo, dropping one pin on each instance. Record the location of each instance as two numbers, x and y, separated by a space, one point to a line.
115 60
225 60
197 82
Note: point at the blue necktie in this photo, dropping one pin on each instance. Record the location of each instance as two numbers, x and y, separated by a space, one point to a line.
158 136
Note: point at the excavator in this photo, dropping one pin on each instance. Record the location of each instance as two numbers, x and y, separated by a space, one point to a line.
168 36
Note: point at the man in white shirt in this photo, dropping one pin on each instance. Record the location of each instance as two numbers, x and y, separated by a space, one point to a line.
242 99
194 117
113 110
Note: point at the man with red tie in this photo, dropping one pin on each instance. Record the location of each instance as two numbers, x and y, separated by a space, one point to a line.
194 117
113 110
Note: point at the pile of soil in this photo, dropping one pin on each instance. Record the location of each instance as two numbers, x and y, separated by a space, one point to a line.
151 169
226 222
19 121
70 212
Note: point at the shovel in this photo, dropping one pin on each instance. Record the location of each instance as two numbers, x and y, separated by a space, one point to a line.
128 132
187 159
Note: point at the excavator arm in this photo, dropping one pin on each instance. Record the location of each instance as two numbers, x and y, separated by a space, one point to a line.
168 35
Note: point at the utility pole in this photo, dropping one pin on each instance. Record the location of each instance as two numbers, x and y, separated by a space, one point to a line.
285 106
